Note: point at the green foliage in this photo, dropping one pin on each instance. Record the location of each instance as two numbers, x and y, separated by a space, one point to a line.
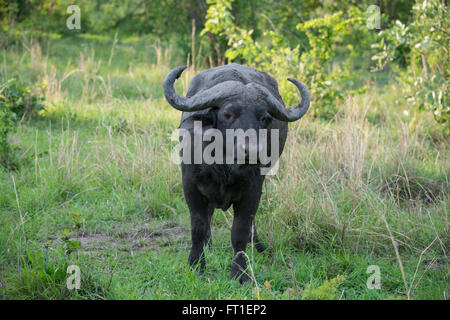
20 100
397 10
266 293
69 245
423 46
16 102
128 16
42 275
326 291
310 63
329 87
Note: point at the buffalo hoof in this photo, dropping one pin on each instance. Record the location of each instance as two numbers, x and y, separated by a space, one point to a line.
260 247
242 277
237 273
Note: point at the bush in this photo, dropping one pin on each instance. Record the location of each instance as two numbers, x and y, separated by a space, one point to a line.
423 47
16 103
309 62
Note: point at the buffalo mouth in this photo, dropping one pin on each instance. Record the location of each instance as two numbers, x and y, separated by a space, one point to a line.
246 161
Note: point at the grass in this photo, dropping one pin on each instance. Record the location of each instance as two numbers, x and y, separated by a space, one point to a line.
364 189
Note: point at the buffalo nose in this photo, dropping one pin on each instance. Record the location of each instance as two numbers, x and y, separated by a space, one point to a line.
247 147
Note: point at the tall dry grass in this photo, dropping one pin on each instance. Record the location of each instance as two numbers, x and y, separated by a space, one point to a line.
333 184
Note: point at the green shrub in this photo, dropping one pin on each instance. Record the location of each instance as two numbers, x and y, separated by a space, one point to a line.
16 103
423 47
329 87
326 291
310 63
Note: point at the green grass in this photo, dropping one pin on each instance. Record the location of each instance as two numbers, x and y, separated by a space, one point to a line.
365 189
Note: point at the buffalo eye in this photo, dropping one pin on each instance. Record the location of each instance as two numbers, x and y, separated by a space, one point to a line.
228 116
265 120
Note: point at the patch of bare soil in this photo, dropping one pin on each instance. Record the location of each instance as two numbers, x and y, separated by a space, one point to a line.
136 238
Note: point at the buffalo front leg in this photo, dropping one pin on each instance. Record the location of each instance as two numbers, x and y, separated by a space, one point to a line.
201 213
200 235
244 212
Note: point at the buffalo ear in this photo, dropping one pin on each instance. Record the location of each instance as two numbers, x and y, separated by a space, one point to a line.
209 119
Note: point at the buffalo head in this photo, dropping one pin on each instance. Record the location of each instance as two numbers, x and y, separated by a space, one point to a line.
236 103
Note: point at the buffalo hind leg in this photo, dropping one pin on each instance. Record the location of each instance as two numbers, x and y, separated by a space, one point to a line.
260 247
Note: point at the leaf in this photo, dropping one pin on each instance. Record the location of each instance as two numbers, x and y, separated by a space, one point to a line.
74 244
75 216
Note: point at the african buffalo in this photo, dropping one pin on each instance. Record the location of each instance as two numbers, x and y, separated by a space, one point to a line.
230 97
